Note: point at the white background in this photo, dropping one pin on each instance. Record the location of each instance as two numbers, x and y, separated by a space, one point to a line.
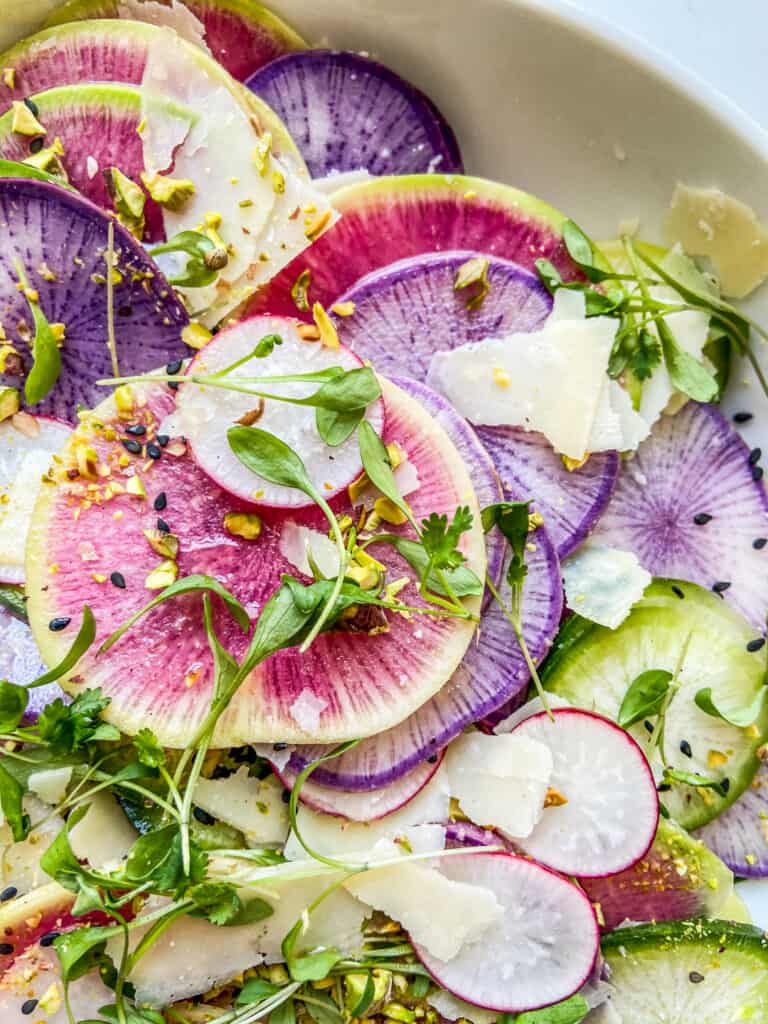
723 41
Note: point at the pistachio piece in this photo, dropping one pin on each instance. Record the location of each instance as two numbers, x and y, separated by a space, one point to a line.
172 193
389 512
328 336
164 544
261 153
135 486
163 576
243 524
196 335
47 159
128 200
24 121
9 403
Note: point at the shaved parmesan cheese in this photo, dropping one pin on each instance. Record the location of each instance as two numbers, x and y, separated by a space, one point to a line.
104 836
176 16
439 914
549 380
707 222
602 583
16 510
298 542
617 427
500 780
451 1008
341 179
51 785
20 862
254 806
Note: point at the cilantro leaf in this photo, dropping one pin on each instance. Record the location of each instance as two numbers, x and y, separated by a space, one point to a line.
66 728
645 355
440 539
220 904
512 518
148 749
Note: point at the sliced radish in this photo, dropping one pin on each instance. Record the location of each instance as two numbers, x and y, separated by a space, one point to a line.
20 663
604 811
26 446
691 505
464 833
542 949
348 684
346 112
60 240
206 413
740 835
387 219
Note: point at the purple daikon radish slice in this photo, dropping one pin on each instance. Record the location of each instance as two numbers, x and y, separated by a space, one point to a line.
20 663
388 219
740 835
346 112
242 36
348 684
61 242
540 951
491 672
464 833
27 444
205 413
691 505
610 809
405 312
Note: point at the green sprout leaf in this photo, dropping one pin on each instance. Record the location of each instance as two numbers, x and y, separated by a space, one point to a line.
686 373
59 861
11 796
310 966
13 704
204 259
644 697
740 717
462 581
694 779
85 637
82 951
270 458
378 468
572 1011
46 357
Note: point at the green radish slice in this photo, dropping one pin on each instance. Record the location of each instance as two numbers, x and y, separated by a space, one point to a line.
593 667
348 684
707 972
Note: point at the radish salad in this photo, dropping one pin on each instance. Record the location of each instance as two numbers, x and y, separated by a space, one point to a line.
383 592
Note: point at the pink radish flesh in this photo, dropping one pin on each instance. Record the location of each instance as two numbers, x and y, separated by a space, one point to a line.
691 505
740 835
542 949
611 811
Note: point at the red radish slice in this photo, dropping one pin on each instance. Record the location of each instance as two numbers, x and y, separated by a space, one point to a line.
492 671
691 505
241 34
20 663
60 240
367 806
541 951
160 674
387 219
611 811
740 835
347 112
206 413
26 446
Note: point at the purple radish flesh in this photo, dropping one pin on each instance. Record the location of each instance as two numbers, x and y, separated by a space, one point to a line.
388 219
240 34
61 241
740 835
691 505
26 446
405 312
543 947
610 809
347 112
20 663
348 684
205 413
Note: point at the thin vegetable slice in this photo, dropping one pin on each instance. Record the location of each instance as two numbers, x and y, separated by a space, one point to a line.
740 836
20 663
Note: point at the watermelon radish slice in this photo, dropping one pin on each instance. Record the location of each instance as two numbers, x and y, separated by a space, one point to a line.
677 878
349 684
97 126
610 811
491 671
541 951
347 112
47 227
241 34
740 836
26 447
362 806
206 413
405 312
387 219
691 505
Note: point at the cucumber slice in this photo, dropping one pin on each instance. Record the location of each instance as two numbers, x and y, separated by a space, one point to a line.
592 667
688 972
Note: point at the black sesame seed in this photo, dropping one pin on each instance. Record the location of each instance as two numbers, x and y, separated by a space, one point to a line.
35 145
286 796
49 938
754 456
685 748
725 785
136 430
648 726
678 591
663 787
153 451
759 543
432 759
131 446
28 1006
721 586
173 367
162 440
702 518
279 746
117 579
757 473
56 625
31 105
203 816
6 948
742 417
126 310
694 977
8 894
162 526
160 502
756 644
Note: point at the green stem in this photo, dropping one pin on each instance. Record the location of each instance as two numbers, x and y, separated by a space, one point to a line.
186 806
514 619
330 604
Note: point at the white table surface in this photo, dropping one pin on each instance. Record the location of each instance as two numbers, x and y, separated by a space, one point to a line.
722 41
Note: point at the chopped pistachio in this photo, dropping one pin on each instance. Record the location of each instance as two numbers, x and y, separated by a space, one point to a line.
24 121
141 127
172 193
368 561
124 400
128 200
135 486
261 153
500 377
9 403
212 220
163 576
300 290
47 159
574 464
366 578
473 274
9 77
243 524
308 332
278 182
393 589
164 544
196 335
10 360
357 487
535 520
58 330
396 454
328 336
389 512
245 203
716 759
398 1012
554 798
318 225
50 1000
343 308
